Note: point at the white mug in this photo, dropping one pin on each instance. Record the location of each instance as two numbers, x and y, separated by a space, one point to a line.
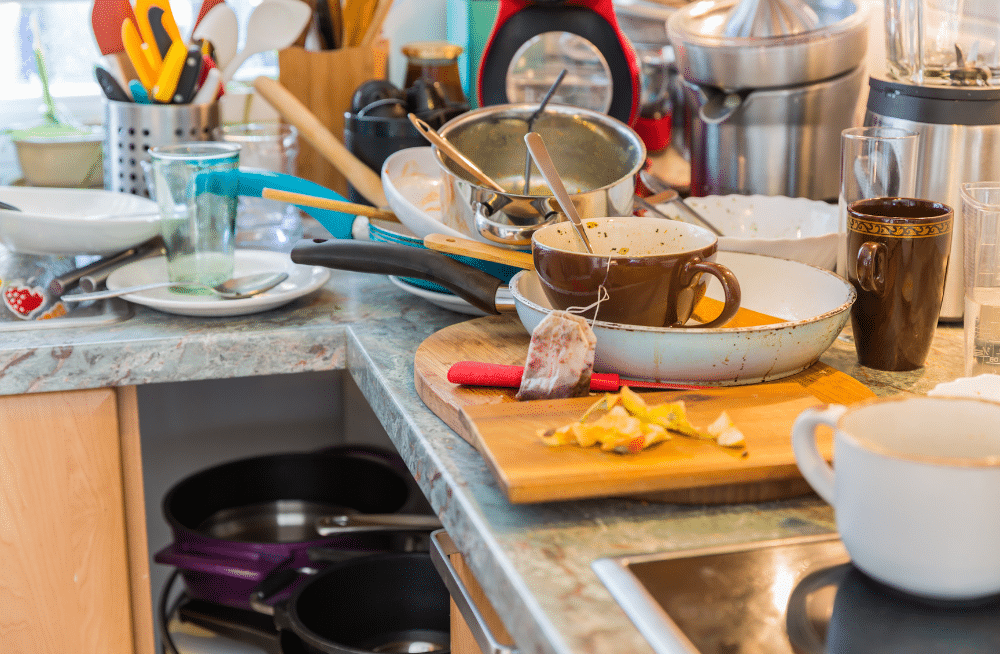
916 490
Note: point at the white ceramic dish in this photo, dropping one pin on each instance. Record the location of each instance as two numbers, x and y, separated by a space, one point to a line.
302 280
985 386
67 222
815 304
791 228
443 300
412 183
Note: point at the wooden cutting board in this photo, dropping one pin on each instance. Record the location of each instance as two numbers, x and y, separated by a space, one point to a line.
681 470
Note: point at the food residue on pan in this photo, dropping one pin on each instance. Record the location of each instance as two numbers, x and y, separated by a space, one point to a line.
627 425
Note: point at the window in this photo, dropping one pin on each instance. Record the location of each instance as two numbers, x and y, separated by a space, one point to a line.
71 53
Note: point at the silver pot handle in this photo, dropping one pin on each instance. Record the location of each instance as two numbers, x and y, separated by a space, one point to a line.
441 548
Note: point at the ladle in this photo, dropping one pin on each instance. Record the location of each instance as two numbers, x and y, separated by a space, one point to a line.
536 146
231 289
531 127
273 25
450 151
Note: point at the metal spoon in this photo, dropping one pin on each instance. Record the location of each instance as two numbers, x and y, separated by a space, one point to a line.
450 151
531 126
536 146
665 193
232 289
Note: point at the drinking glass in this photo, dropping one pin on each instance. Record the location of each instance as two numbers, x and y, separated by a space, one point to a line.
875 162
262 223
981 217
196 191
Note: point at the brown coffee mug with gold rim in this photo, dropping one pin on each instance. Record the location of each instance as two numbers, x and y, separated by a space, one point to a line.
897 259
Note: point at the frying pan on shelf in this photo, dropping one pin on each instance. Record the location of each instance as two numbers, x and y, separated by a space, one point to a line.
813 303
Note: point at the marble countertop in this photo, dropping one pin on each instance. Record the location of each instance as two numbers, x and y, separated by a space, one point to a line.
533 561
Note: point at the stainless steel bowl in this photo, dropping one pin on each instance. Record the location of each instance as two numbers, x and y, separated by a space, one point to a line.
596 155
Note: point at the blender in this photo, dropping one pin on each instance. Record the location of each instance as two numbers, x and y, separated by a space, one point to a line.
942 81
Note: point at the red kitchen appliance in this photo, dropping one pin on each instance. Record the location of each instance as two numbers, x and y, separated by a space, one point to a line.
534 40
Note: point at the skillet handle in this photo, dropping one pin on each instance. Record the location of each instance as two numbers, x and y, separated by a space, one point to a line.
471 284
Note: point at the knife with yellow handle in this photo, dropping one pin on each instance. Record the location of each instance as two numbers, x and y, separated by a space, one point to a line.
137 54
170 72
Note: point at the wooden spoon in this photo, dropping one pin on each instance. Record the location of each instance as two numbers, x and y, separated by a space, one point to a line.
361 177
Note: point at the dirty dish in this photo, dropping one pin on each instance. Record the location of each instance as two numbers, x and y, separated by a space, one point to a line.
67 222
814 304
447 300
302 280
640 271
412 184
791 228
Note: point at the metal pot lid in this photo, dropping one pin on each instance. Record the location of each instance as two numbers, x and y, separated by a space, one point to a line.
706 56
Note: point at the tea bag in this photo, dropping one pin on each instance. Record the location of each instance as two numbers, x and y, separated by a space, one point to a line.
560 358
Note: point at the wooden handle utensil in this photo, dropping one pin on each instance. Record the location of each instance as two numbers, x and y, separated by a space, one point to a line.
360 176
326 203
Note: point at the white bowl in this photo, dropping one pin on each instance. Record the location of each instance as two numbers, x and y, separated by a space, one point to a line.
411 180
790 228
67 222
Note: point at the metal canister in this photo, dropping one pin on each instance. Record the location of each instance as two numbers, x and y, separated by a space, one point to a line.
131 129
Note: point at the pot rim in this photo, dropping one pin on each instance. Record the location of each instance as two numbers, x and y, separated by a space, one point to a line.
527 108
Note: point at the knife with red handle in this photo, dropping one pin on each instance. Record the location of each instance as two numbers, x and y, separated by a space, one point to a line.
475 373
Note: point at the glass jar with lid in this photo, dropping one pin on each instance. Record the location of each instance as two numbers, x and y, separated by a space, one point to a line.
435 61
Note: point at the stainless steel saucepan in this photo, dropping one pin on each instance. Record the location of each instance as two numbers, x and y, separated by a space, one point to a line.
597 156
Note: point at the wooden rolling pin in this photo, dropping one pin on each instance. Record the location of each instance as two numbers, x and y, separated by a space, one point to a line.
326 203
361 177
707 309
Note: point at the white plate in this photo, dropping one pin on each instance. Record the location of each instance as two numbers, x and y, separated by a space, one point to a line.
411 180
443 300
814 303
985 386
791 228
301 281
66 222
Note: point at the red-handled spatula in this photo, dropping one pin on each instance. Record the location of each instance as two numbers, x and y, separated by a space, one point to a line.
106 18
475 373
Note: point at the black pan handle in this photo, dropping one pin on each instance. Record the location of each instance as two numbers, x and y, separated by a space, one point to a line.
476 287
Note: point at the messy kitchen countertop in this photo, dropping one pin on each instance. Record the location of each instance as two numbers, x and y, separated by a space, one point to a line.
533 561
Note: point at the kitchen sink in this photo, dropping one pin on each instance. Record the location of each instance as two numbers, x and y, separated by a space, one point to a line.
791 596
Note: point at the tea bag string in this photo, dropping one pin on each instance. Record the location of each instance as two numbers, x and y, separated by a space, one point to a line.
602 295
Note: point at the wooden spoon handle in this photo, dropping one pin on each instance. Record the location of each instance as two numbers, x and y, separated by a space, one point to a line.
361 177
469 248
326 203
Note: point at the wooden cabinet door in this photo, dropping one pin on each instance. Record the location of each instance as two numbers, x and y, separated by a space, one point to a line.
65 579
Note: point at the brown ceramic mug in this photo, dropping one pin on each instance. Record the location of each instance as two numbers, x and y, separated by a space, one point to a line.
897 257
651 268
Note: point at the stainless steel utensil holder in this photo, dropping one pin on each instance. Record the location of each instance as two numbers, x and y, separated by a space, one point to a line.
131 129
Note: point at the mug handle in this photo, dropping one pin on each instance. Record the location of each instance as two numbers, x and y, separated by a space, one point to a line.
730 289
871 267
811 463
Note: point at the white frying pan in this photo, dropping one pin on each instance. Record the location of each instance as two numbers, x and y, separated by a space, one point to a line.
814 303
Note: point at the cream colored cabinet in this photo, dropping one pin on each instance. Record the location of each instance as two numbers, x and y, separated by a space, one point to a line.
75 571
